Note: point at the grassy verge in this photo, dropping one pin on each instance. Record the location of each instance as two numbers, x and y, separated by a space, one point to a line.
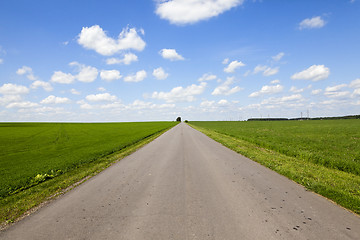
16 206
339 186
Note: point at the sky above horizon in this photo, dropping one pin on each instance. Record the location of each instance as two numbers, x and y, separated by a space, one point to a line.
155 60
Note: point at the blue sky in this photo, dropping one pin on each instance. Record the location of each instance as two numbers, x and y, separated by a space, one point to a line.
99 61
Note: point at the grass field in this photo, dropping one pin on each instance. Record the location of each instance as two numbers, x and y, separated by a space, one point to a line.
324 156
33 152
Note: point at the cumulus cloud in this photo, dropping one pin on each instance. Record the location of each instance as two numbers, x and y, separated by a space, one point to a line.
282 100
1 61
335 91
138 77
55 100
315 22
63 78
268 90
160 74
110 75
25 104
170 54
13 89
233 66
101 97
267 71
45 85
6 99
316 91
225 61
95 38
86 73
28 71
179 94
74 91
355 83
127 59
313 73
275 81
191 11
225 89
207 77
296 90
278 57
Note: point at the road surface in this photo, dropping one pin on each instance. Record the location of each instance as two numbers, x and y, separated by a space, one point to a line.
182 186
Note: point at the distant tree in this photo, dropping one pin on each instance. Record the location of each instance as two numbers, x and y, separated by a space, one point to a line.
186 121
178 119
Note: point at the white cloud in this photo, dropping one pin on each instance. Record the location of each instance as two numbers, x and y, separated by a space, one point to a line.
45 85
316 91
334 91
233 66
207 77
296 90
278 57
356 91
275 81
95 38
101 97
101 89
314 73
225 61
9 98
191 11
86 73
335 88
268 90
61 77
23 70
207 103
160 74
315 22
26 70
267 71
170 54
55 100
110 75
224 88
13 89
127 59
138 77
1 61
223 102
26 104
355 83
75 92
181 94
282 100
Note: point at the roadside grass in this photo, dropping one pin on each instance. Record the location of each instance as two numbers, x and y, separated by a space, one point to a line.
46 186
340 186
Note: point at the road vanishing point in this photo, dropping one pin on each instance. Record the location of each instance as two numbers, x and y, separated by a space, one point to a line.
184 185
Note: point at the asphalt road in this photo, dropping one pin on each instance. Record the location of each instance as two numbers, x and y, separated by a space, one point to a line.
182 186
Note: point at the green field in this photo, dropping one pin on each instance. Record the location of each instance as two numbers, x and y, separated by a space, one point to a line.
322 155
31 153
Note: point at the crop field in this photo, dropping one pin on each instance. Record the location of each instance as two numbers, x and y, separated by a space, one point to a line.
31 153
322 155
